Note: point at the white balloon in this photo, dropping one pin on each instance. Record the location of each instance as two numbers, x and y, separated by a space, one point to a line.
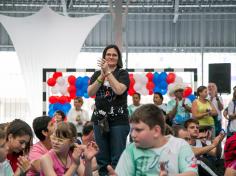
137 78
144 91
178 79
170 89
137 87
61 81
54 90
63 90
143 79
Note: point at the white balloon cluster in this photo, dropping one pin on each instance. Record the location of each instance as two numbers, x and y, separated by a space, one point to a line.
61 86
140 84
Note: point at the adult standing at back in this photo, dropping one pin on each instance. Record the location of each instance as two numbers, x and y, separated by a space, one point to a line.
179 108
203 110
217 101
110 85
78 116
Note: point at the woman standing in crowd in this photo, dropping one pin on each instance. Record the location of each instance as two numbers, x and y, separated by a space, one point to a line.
19 139
203 110
110 116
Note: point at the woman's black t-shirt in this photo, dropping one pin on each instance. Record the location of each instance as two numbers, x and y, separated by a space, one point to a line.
107 103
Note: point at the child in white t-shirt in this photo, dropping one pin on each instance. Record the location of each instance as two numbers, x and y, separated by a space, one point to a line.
152 153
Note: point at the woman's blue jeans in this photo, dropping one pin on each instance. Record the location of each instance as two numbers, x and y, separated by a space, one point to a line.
110 146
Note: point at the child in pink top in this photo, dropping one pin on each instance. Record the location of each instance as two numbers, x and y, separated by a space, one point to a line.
64 157
43 129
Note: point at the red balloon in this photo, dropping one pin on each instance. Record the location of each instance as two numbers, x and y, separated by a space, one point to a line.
150 85
93 96
71 79
62 99
68 99
132 82
51 81
131 91
53 99
187 91
57 74
170 78
71 89
131 75
150 92
72 95
149 75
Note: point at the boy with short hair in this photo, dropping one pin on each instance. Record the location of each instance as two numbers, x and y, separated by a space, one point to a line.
152 153
43 129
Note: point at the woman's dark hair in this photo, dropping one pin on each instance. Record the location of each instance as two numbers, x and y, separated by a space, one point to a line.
63 116
20 128
119 62
200 89
40 124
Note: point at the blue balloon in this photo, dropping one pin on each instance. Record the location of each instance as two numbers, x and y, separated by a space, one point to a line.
86 95
163 84
163 91
57 106
155 78
156 89
79 82
51 113
163 76
79 93
51 106
191 97
66 107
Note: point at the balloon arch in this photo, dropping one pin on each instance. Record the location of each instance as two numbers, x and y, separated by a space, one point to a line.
59 90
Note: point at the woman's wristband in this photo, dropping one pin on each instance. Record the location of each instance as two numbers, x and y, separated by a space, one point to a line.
99 81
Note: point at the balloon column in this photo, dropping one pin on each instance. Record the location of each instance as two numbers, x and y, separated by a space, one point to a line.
156 82
64 89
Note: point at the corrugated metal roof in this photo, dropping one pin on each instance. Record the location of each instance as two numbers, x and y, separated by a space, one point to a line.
150 26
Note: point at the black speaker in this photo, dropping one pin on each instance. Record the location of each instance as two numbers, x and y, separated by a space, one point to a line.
220 74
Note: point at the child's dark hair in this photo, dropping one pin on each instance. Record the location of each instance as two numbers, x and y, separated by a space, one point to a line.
88 127
66 130
160 95
40 124
19 128
149 114
187 122
4 126
136 93
63 116
2 134
177 128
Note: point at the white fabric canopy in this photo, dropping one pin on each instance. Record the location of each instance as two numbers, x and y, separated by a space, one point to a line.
46 40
